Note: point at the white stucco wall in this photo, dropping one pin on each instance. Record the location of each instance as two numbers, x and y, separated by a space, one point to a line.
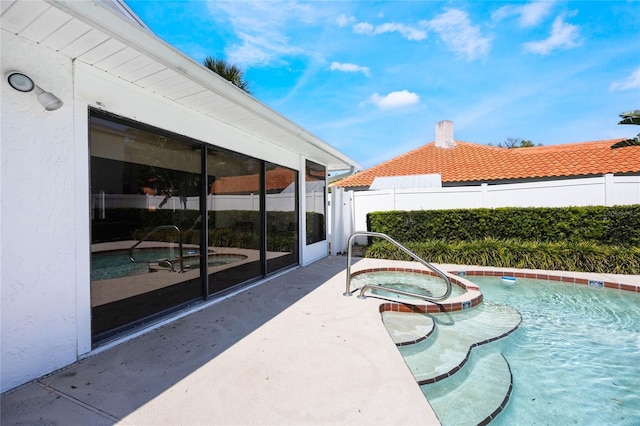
37 237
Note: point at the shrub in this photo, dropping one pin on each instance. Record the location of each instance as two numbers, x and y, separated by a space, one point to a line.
583 256
618 225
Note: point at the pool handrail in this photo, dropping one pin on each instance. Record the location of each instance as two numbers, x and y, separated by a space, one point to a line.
133 259
414 256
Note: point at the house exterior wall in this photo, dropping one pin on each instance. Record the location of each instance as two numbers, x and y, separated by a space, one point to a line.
606 190
38 229
45 199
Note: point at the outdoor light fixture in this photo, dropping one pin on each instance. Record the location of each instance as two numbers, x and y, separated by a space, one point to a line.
24 83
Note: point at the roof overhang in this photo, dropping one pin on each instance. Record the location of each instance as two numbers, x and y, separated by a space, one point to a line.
92 33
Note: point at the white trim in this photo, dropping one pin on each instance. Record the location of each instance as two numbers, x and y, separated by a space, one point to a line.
82 231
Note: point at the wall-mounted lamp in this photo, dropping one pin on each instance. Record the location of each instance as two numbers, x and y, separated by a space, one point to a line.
24 83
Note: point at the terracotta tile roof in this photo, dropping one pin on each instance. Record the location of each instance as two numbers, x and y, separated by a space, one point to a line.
469 162
277 180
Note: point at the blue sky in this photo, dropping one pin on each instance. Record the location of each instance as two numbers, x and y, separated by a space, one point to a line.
372 78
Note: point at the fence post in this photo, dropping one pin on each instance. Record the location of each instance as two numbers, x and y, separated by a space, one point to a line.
337 219
484 195
393 197
609 190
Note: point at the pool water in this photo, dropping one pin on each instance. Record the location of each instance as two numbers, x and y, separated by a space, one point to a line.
417 283
116 264
575 358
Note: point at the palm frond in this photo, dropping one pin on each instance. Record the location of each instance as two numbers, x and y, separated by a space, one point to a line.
227 71
628 142
630 117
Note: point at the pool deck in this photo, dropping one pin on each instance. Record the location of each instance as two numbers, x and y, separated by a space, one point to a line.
291 350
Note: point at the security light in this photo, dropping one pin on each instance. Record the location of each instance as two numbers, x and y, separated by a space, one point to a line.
24 83
20 81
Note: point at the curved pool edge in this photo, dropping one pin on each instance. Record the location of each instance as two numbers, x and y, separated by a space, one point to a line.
617 282
470 298
473 296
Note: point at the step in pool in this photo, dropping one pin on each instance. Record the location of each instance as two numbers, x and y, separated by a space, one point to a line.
476 393
456 358
455 334
408 329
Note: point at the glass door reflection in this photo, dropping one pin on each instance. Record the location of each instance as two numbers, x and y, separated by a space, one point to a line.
282 217
146 224
234 218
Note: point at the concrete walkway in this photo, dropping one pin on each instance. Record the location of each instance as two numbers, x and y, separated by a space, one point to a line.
292 350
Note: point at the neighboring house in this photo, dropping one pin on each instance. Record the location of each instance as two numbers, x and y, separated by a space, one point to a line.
277 180
137 143
449 174
468 164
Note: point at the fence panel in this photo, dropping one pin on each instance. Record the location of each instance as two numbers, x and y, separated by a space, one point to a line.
606 190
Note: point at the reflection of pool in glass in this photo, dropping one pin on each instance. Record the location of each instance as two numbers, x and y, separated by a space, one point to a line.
116 263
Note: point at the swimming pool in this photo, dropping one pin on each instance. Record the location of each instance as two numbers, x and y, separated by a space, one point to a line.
576 356
116 263
573 359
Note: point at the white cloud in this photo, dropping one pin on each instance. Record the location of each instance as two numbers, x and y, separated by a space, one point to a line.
337 66
249 53
631 82
563 36
258 50
456 30
531 14
394 99
363 28
344 20
262 28
406 31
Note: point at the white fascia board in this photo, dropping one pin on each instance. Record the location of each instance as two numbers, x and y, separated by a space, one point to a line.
126 32
122 7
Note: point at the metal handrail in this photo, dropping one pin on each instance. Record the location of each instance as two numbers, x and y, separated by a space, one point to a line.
391 290
133 259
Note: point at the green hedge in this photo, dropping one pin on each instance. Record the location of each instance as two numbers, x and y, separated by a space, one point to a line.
619 225
590 239
583 256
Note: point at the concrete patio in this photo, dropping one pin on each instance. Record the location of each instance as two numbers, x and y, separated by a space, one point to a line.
292 350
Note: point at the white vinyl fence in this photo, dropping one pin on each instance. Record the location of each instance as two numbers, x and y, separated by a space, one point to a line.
275 202
349 209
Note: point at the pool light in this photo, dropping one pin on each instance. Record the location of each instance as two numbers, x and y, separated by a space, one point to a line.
23 83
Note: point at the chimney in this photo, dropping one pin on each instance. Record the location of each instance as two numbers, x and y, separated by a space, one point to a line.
444 134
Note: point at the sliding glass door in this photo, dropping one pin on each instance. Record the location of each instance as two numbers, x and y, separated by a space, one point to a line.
234 218
282 217
146 225
174 221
